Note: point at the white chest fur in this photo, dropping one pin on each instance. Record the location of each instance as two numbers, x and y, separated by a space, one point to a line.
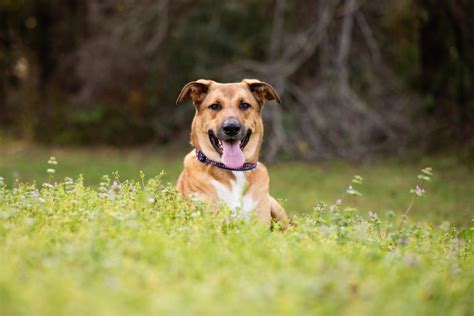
237 197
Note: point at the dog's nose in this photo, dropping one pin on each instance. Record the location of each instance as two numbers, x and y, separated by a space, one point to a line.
231 127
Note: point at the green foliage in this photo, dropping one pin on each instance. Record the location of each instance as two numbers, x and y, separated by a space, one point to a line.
431 48
134 247
98 124
385 185
356 181
71 73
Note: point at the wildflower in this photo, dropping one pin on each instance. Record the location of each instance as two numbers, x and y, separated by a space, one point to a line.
115 186
373 218
51 171
321 207
151 200
428 171
419 191
357 179
426 174
351 191
47 185
52 161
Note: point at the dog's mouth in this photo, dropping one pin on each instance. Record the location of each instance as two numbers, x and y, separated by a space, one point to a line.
231 150
218 144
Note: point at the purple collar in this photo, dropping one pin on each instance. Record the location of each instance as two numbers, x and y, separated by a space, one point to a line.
245 167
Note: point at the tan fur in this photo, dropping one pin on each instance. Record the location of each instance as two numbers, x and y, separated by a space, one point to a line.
196 180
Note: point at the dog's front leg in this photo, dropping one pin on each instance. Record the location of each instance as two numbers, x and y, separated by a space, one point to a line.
262 211
277 211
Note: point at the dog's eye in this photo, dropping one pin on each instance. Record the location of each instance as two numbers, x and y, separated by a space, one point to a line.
215 107
244 106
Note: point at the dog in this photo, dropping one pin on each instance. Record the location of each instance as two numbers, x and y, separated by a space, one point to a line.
227 133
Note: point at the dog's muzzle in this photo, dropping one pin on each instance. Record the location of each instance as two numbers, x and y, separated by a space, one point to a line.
229 141
231 131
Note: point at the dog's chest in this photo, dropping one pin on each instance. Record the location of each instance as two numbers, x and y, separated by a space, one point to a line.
237 196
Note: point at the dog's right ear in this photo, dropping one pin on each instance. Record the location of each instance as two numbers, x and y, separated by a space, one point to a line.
194 90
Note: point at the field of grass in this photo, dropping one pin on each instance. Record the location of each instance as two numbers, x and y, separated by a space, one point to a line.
450 195
132 247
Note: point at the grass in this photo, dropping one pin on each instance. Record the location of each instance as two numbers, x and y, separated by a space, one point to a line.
450 196
133 247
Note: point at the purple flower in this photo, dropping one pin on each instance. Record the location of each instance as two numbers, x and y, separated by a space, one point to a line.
420 190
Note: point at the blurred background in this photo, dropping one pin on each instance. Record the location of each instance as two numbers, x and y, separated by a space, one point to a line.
360 80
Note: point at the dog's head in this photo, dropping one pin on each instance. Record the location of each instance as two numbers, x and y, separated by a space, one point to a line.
228 124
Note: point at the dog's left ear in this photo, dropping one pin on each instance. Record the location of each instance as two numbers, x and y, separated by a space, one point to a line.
262 91
194 90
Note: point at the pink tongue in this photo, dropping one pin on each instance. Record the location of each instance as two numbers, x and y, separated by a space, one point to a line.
233 157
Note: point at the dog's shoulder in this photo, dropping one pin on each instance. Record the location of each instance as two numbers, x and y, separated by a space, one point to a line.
190 159
259 175
261 167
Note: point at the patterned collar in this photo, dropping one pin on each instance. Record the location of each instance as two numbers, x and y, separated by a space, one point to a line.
245 167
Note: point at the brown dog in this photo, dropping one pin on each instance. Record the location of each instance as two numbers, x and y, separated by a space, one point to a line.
227 132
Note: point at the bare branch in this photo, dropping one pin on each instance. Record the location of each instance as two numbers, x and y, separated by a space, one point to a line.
369 38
